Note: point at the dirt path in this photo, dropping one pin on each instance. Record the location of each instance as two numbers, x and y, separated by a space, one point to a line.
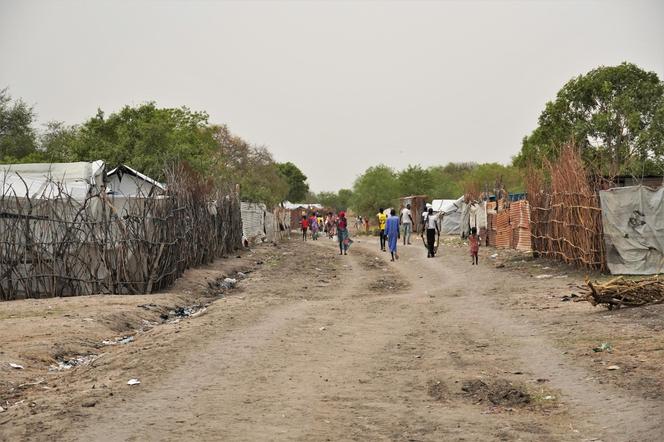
322 347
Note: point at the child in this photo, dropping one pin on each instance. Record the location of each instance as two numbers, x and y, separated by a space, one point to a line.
304 224
474 242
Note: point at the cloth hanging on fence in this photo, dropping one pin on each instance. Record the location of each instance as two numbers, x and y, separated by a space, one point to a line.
633 221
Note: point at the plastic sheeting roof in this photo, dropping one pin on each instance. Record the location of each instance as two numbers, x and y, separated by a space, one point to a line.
126 169
45 180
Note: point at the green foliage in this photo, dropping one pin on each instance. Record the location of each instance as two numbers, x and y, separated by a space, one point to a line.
414 179
614 114
17 136
483 177
253 168
148 138
335 200
57 141
377 187
297 181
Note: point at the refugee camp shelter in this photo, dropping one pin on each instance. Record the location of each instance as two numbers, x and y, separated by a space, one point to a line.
125 181
299 209
452 215
51 180
633 222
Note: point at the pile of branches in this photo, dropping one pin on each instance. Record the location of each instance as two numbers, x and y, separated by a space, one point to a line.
621 291
566 218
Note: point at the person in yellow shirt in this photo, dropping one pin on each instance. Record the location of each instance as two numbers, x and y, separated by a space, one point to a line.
382 219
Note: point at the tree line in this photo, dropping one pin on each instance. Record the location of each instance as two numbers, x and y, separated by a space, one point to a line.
614 116
149 138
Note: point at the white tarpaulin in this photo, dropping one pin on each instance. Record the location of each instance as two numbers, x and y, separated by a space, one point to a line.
633 221
44 180
452 214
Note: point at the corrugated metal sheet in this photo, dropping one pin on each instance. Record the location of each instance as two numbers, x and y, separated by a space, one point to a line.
509 228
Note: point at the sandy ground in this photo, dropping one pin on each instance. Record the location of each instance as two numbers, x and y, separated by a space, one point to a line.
316 346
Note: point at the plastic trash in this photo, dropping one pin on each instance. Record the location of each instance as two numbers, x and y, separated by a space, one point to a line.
133 382
604 347
543 276
1 409
322 328
494 256
613 367
16 366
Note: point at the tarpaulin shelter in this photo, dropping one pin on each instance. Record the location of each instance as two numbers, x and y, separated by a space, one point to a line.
452 215
633 222
125 181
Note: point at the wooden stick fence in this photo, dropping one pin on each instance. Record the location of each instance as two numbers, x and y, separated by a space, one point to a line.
566 219
61 246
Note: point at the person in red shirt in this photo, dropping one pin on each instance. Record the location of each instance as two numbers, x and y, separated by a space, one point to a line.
304 224
474 242
342 234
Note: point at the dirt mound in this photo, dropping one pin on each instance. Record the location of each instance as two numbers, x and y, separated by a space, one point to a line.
437 390
498 392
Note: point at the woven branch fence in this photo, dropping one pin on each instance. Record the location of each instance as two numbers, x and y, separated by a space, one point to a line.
61 246
565 213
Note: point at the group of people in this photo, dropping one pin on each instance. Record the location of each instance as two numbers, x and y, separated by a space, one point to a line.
332 225
390 228
390 231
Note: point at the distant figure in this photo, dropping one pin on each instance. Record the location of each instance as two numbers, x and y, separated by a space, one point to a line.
392 233
330 225
382 218
313 226
304 225
342 234
474 242
431 224
321 222
407 223
366 225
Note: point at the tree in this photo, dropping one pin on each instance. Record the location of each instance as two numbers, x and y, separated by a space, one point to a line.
148 138
377 187
336 200
297 181
249 166
415 181
17 136
57 141
615 115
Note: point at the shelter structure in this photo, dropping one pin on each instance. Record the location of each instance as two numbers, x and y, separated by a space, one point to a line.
128 182
633 222
417 207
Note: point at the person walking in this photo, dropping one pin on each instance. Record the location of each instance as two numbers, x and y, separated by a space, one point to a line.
407 223
392 233
342 233
474 242
304 225
431 224
313 226
382 219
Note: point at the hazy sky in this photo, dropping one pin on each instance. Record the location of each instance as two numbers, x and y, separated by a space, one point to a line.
335 87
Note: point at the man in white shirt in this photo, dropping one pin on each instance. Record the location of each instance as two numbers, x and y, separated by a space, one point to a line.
432 227
407 223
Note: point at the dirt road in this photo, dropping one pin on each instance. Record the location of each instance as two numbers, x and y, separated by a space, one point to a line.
317 346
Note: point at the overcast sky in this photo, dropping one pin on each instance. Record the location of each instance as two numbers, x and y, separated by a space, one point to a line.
334 87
